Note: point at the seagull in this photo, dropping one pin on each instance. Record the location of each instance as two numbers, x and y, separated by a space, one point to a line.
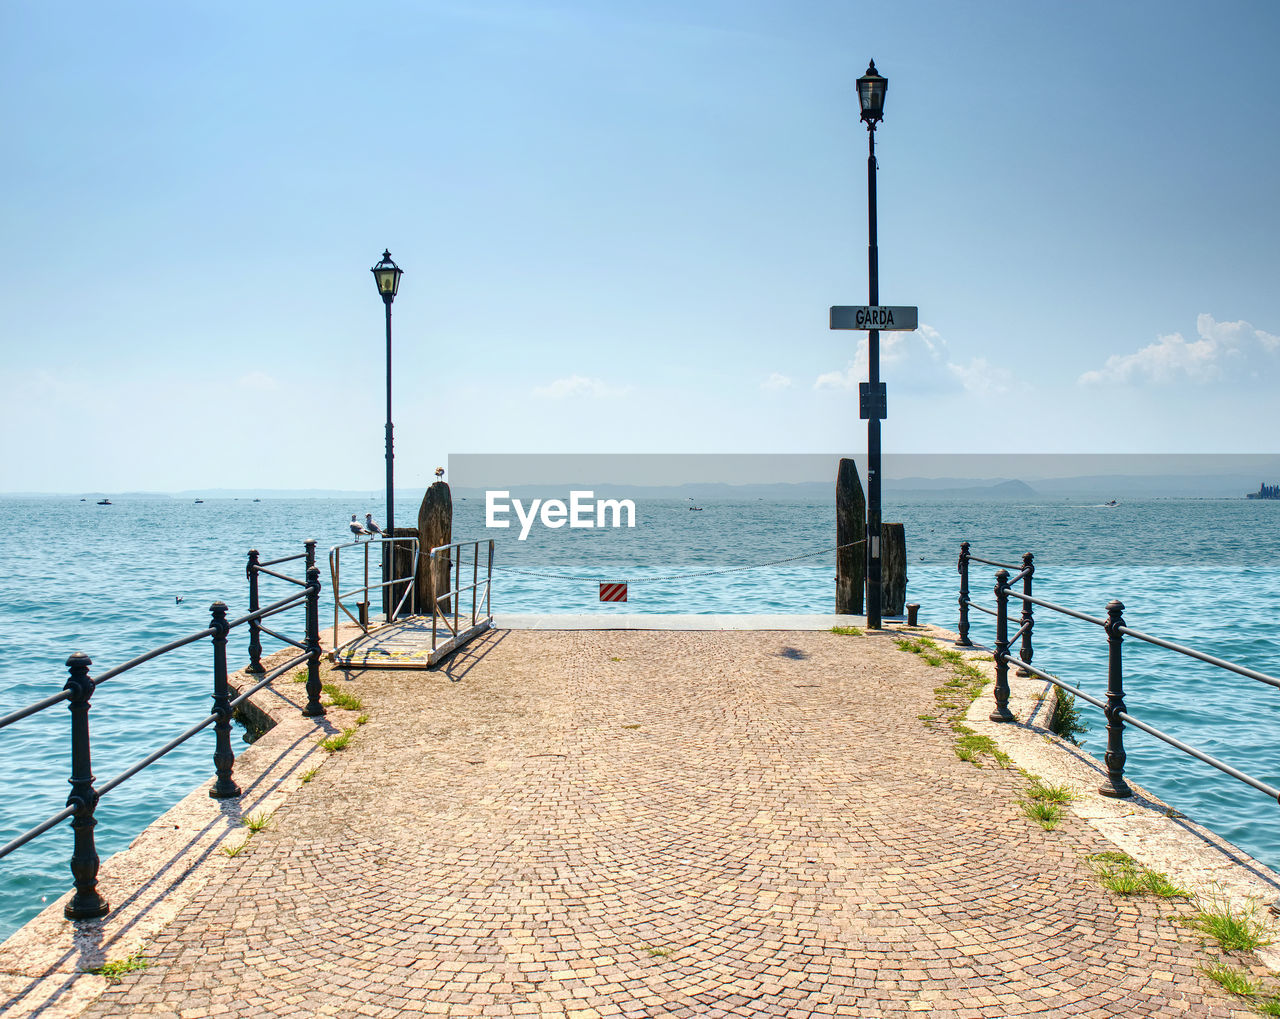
439 473
357 528
370 526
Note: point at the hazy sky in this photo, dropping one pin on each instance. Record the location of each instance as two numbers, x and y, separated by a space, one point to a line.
621 228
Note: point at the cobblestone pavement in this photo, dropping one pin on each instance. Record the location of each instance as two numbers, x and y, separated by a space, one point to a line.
677 824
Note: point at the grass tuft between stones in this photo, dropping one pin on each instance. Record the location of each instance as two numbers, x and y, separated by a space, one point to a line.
1045 793
338 741
1121 874
114 971
954 696
1232 979
340 698
1233 931
1046 815
847 631
970 746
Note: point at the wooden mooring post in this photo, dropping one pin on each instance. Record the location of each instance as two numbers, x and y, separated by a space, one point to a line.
893 569
851 559
435 528
851 527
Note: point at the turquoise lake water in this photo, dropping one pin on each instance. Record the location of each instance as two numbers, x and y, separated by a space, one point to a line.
103 580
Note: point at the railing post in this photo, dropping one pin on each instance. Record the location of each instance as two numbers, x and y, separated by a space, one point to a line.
435 600
255 631
963 568
362 608
86 904
314 708
1027 620
1115 785
1002 712
224 758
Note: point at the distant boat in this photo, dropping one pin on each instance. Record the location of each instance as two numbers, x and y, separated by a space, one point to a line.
104 502
84 500
199 501
257 500
1265 491
1111 503
695 509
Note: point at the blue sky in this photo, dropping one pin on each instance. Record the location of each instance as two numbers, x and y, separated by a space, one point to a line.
621 230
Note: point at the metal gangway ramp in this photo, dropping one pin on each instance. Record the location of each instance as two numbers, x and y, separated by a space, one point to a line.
416 641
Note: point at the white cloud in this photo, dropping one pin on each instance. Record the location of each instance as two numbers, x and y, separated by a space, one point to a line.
258 381
1222 350
577 385
847 379
775 382
981 377
918 362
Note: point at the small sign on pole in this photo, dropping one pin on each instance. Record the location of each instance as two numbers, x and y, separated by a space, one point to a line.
895 318
872 403
613 592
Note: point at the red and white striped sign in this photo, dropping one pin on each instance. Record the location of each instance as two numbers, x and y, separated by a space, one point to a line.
613 592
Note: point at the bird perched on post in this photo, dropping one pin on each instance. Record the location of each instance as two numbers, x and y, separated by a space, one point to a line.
439 473
357 528
370 526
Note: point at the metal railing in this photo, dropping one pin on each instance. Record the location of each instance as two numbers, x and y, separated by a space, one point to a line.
1113 707
442 601
88 903
361 618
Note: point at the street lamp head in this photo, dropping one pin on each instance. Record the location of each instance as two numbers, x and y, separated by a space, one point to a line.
871 89
386 274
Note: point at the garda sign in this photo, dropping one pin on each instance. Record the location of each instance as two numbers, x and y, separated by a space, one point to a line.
875 316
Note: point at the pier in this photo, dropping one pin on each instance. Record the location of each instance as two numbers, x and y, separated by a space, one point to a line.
574 822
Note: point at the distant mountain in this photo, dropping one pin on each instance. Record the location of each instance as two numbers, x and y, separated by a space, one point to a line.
1150 486
701 492
279 493
915 484
997 490
808 491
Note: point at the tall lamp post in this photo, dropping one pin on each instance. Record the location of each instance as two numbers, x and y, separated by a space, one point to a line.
871 90
386 275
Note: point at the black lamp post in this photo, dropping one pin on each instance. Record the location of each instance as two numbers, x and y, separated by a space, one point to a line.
386 275
871 90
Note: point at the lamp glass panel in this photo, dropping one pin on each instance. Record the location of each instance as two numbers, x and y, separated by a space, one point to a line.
871 94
